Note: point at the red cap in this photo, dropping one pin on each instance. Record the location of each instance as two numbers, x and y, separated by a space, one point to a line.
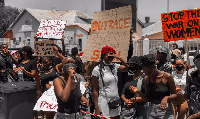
81 54
107 49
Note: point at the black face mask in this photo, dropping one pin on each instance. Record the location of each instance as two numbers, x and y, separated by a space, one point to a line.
179 68
132 69
67 66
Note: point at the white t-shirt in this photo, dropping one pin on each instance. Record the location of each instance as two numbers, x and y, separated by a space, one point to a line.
110 88
180 80
109 79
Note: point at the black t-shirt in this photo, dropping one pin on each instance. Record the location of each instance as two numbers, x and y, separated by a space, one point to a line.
6 63
45 78
138 83
31 65
194 93
56 60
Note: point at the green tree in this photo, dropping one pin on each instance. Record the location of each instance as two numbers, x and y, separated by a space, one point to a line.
7 15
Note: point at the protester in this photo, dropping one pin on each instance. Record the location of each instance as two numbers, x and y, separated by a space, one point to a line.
158 87
56 59
175 46
180 103
28 65
15 54
183 54
132 110
67 90
194 91
104 78
163 63
89 87
6 64
39 63
76 57
47 74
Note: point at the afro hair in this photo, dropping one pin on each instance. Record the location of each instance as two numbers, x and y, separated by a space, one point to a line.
148 60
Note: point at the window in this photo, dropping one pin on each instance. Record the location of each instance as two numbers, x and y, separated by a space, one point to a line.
80 44
27 22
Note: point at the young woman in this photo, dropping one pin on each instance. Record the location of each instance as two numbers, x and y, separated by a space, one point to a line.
28 65
47 74
159 90
180 104
104 78
130 109
67 90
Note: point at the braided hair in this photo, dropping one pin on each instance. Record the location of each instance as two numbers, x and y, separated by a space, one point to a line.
101 67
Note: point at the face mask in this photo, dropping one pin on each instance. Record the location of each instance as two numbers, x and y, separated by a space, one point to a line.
67 66
132 69
111 63
179 68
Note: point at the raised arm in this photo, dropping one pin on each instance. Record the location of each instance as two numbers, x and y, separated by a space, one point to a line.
63 93
55 49
122 68
130 50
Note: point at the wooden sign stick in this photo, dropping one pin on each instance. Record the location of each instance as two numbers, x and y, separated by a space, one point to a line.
186 44
187 51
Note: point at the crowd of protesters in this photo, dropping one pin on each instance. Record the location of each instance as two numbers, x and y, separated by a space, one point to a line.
155 86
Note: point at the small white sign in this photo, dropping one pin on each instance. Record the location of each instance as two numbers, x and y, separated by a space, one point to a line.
26 27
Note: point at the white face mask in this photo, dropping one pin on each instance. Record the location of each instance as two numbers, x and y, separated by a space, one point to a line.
197 63
111 63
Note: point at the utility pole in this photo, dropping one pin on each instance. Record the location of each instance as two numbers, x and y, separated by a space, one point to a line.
167 6
168 12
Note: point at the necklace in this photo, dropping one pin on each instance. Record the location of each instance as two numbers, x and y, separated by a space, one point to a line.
153 75
137 77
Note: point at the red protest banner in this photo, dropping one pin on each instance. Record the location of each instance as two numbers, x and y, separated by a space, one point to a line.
172 25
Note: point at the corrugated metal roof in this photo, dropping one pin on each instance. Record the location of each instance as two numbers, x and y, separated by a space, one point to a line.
69 16
154 28
43 14
73 17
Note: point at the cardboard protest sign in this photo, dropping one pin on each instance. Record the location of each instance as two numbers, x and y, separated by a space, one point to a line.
44 48
109 28
51 29
173 22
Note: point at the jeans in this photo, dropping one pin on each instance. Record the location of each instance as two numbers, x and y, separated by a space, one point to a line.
154 112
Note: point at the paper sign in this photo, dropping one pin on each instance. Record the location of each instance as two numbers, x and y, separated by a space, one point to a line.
47 102
109 28
51 29
44 48
172 24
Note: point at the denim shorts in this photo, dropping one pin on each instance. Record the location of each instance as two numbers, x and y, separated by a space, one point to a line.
154 112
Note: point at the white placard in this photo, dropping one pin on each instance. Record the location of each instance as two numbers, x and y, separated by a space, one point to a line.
51 29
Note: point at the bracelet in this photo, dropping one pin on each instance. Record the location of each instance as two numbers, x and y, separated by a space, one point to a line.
135 99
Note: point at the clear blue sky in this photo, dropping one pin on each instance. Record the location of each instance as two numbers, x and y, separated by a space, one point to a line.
151 8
